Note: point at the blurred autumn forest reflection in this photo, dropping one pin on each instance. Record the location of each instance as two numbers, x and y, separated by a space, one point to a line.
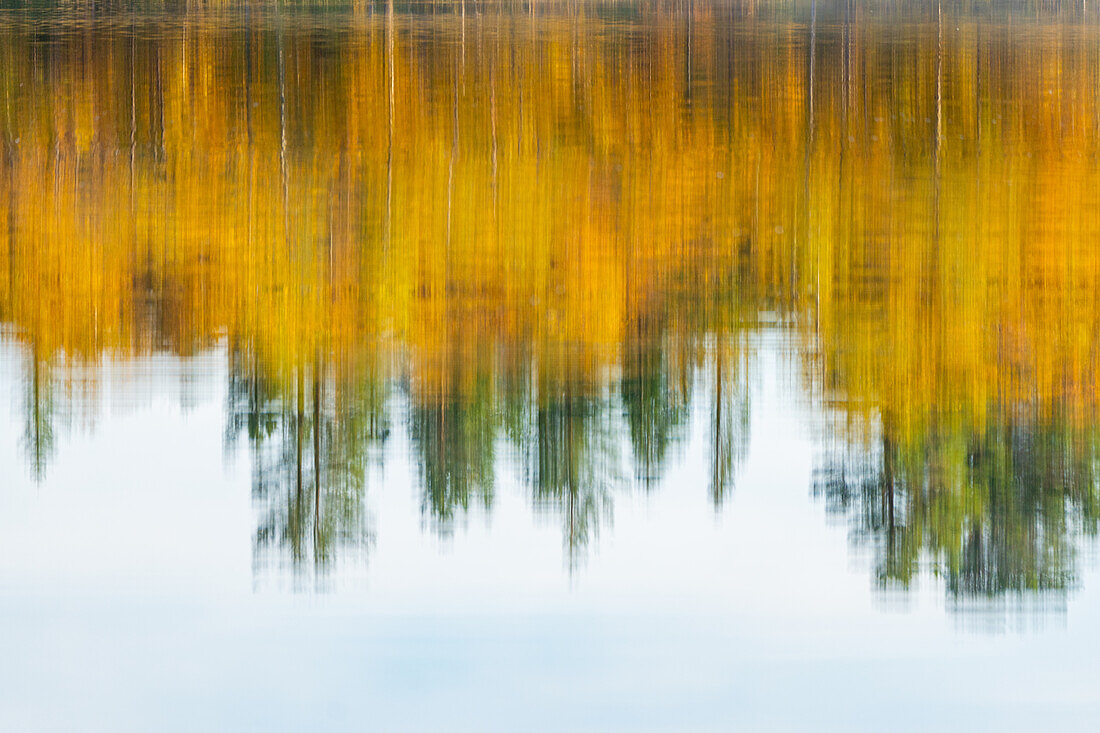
547 238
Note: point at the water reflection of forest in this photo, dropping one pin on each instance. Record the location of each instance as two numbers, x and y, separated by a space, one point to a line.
552 237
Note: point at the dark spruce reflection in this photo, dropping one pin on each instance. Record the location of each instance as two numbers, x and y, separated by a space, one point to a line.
551 243
994 512
454 434
310 443
39 408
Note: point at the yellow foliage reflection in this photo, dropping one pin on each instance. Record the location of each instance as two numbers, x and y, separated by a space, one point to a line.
552 230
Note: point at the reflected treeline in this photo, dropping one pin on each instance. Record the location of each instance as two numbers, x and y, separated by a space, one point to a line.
454 431
571 448
548 239
39 407
310 448
992 511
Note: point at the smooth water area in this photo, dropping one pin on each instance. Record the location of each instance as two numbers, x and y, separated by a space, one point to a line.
587 366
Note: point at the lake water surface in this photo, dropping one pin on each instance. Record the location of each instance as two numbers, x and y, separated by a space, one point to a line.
566 366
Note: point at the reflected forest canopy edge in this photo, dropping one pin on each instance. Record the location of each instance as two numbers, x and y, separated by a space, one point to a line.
555 243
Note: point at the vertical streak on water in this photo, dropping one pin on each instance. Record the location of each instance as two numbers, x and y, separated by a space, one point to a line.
251 287
493 122
9 146
317 555
299 417
809 144
389 145
160 101
717 478
454 155
133 137
133 119
282 123
690 49
938 143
